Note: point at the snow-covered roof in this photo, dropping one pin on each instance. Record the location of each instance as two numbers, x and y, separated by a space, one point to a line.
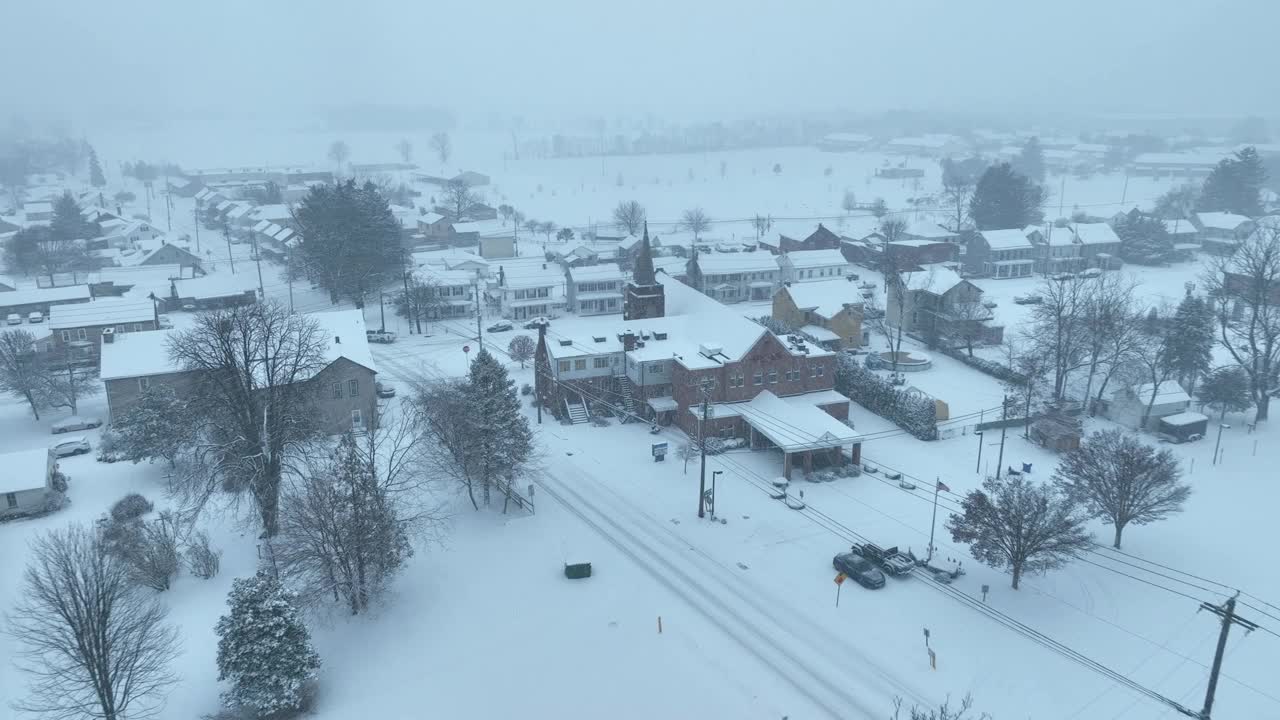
1095 234
484 227
794 424
349 326
815 258
44 295
1091 148
430 218
104 311
928 230
607 272
137 355
631 241
37 207
819 334
1180 226
847 137
726 263
271 212
215 285
934 278
1006 239
1221 220
445 278
1170 391
24 470
1183 419
1204 160
262 225
825 297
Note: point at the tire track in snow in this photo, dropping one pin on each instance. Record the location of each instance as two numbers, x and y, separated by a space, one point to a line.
723 607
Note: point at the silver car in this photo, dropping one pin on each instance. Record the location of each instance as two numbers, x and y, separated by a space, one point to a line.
71 446
74 423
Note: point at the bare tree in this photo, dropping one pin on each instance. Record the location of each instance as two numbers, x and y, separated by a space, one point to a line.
253 405
94 644
442 146
22 375
459 198
957 193
1245 288
1111 332
893 229
1153 357
850 202
762 224
879 208
629 216
942 712
1123 480
1015 523
420 301
547 227
66 387
695 221
339 151
521 349
405 149
532 226
1058 327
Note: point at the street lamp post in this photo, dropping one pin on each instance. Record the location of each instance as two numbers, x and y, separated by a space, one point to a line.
1218 444
714 473
978 469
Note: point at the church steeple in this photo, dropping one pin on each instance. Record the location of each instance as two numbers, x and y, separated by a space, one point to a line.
643 273
645 297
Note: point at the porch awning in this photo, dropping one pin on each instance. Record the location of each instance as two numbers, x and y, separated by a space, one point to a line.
662 404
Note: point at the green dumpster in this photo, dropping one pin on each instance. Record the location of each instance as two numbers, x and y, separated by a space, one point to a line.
577 570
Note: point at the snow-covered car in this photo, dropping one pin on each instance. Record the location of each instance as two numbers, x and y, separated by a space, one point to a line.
379 336
535 322
73 423
35 317
71 446
499 327
189 307
1026 299
384 390
165 322
1090 273
14 319
859 569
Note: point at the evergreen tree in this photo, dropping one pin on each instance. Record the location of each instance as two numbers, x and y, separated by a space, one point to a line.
1005 199
1226 390
1191 340
68 224
156 425
1235 185
35 251
503 440
1030 163
350 238
1177 202
1144 240
264 648
96 178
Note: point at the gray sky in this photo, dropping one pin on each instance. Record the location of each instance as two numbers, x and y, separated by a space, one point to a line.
698 58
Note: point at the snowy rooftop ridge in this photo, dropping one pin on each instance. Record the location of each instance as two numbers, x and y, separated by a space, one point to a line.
44 295
825 297
1011 239
1095 234
815 258
105 311
1221 220
724 263
24 470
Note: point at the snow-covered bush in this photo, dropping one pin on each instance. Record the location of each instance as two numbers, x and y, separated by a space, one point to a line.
202 560
600 421
526 389
996 370
734 443
714 445
914 414
130 507
109 446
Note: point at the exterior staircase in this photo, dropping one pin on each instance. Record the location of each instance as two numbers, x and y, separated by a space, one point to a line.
577 412
628 399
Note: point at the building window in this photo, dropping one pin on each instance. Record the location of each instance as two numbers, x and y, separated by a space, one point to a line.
601 362
353 387
336 390
564 366
66 336
137 327
357 420
11 499
80 334
757 379
580 364
144 383
773 377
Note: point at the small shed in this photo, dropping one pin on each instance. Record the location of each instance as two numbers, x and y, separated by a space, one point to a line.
1183 427
1128 406
30 484
1056 430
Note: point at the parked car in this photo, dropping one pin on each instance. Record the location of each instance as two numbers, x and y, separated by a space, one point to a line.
859 569
535 322
380 336
14 319
499 327
384 390
73 423
1090 273
189 307
165 322
889 560
71 446
1026 299
35 317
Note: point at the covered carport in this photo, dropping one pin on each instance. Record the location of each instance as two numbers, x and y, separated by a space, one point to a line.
806 434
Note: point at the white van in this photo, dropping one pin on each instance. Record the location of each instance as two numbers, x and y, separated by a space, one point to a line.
14 319
35 317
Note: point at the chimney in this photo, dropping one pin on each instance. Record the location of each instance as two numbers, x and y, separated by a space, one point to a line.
628 341
337 340
108 335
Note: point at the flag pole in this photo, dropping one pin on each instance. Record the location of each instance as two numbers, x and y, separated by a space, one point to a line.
934 522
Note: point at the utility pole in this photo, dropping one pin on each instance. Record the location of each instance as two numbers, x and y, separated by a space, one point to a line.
382 310
226 235
288 274
1004 415
1125 192
195 215
1062 191
702 445
410 303
257 259
1226 611
168 208
542 344
475 286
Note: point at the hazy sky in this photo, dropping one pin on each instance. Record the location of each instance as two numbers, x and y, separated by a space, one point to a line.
698 57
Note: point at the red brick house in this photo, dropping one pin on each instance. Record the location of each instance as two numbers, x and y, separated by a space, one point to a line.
819 239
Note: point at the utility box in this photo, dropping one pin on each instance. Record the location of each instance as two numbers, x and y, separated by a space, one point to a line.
577 570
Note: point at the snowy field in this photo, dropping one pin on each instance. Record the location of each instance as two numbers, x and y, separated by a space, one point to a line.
485 625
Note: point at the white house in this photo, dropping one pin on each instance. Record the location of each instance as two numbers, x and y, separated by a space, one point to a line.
594 289
734 277
808 265
525 290
454 290
1003 253
1127 406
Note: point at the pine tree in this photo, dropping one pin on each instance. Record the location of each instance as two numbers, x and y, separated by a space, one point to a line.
1030 163
503 440
264 648
156 425
96 178
1226 390
1235 185
350 238
1144 240
68 224
1005 199
1191 340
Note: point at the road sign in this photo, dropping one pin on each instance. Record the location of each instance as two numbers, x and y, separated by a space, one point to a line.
659 451
840 578
466 348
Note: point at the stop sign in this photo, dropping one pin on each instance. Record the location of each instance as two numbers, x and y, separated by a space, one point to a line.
466 348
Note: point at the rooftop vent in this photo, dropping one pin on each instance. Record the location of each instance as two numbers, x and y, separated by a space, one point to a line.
659 336
598 338
337 340
566 343
710 349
